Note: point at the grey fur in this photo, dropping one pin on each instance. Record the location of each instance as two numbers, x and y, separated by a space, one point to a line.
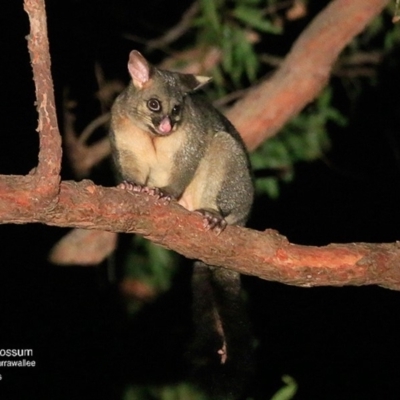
201 162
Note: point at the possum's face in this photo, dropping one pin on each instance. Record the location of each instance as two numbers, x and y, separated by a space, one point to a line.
160 103
157 97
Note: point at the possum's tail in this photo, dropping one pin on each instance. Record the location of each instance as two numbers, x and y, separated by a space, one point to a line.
222 352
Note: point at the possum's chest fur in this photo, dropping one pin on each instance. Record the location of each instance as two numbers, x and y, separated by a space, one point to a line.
144 158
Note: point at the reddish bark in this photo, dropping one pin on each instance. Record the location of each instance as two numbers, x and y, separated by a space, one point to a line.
304 72
83 247
267 255
38 197
47 174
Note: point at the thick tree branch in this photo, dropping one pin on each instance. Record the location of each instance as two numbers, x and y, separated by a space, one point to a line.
267 255
39 197
304 72
46 177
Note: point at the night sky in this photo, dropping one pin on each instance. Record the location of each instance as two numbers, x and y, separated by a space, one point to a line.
337 343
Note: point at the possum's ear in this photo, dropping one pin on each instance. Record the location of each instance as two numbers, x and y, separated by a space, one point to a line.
192 83
201 81
139 69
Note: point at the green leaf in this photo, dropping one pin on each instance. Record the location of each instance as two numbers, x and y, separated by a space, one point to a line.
251 2
269 186
288 391
277 153
181 391
211 14
325 98
238 56
219 80
251 63
336 116
227 49
253 17
258 157
244 58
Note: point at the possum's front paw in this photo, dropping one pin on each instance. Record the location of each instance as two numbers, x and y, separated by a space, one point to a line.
159 195
212 220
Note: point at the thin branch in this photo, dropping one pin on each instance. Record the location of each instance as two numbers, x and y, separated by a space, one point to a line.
83 247
274 8
176 31
83 157
363 57
230 97
101 120
172 34
304 72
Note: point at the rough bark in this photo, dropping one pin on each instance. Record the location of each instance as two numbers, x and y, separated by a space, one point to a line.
304 72
40 197
46 176
267 255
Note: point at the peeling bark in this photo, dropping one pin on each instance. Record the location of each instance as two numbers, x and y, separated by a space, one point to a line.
47 174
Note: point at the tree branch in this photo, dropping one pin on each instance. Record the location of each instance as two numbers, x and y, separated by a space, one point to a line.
304 72
38 197
267 255
46 177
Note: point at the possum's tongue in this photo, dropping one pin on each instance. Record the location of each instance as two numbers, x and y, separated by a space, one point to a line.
165 125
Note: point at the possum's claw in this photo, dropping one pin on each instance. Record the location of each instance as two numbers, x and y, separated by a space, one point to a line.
159 195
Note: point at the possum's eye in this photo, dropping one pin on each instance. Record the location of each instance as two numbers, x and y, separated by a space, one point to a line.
154 105
176 110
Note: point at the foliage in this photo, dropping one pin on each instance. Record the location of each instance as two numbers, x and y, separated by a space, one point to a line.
288 391
185 391
150 265
378 40
236 27
303 139
172 392
233 26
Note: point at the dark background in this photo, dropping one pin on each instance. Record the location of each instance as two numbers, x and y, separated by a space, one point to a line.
338 343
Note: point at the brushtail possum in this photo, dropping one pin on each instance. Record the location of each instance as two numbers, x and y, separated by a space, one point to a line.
169 141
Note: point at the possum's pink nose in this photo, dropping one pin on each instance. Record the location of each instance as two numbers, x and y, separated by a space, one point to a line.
165 125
